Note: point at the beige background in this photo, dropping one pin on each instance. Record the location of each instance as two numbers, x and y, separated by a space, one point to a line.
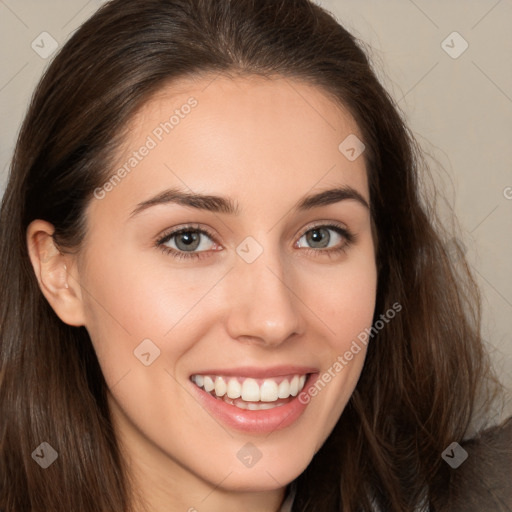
459 108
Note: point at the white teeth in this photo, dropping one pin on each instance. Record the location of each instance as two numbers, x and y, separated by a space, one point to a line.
234 388
284 389
252 406
268 391
220 386
294 385
258 407
248 390
208 384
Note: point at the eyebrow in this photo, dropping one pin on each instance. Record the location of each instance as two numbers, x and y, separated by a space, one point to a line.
219 204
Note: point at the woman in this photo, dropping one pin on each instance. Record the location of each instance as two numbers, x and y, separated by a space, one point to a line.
222 288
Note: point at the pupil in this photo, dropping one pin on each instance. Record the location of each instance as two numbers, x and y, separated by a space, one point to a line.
188 238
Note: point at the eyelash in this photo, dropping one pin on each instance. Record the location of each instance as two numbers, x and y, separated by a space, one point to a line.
349 237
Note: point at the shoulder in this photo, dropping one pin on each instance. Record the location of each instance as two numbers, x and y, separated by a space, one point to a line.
484 480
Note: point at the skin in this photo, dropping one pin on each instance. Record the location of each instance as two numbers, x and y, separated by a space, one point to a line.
265 143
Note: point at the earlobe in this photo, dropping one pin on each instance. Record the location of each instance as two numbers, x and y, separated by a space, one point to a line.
54 272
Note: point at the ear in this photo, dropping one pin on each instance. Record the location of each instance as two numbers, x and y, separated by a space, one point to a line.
56 273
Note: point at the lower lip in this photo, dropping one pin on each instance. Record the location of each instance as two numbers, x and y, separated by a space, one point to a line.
262 421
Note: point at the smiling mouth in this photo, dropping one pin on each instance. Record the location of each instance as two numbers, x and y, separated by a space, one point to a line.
252 394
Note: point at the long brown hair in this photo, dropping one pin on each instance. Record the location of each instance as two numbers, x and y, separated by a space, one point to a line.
424 371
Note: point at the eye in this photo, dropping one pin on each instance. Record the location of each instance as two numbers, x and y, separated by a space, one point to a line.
187 242
319 239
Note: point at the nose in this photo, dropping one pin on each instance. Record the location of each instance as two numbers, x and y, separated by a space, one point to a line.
263 306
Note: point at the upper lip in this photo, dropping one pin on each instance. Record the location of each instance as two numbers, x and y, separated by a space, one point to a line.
259 373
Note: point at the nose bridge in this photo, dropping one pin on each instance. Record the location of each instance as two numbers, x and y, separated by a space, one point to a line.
263 304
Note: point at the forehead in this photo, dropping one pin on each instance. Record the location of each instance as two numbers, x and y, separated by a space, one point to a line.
254 103
251 138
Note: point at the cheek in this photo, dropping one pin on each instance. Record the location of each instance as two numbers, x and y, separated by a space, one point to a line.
130 299
344 300
149 296
350 305
127 303
343 297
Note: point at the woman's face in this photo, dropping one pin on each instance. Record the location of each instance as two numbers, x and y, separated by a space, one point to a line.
264 284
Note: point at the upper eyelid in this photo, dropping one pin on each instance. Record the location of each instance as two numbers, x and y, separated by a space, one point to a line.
176 231
321 224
